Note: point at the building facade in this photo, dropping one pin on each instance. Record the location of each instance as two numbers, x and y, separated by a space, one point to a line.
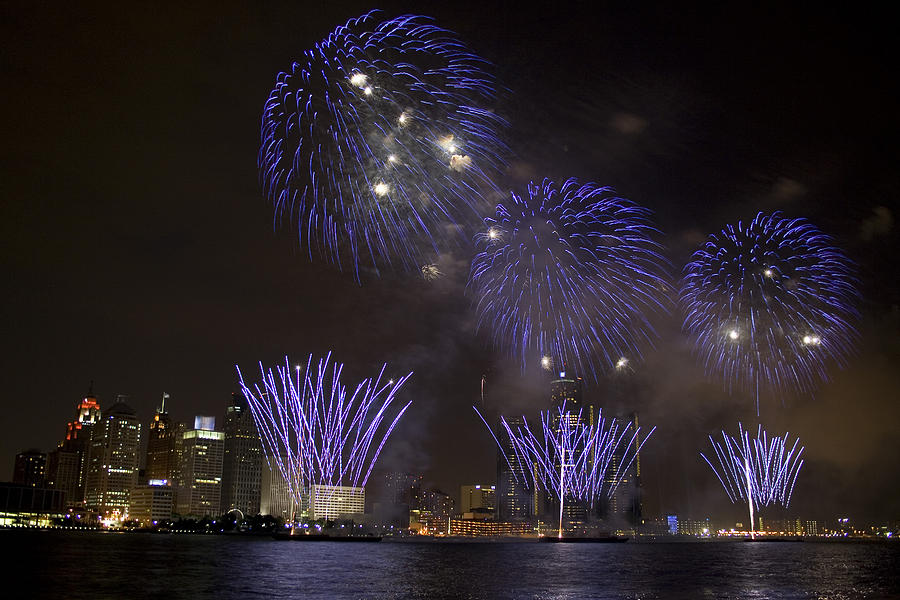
29 468
152 503
112 469
276 495
515 501
162 460
242 463
331 502
203 451
477 496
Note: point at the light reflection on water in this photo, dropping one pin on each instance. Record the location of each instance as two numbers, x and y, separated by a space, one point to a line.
102 565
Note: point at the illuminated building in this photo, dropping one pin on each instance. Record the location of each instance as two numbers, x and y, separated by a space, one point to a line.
568 391
331 502
78 440
152 503
161 455
242 464
276 494
513 499
489 528
24 505
200 492
477 496
29 468
112 468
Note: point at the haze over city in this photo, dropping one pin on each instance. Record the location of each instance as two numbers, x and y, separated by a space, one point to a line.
141 255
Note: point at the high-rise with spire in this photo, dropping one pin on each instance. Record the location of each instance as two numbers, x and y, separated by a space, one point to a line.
67 464
161 454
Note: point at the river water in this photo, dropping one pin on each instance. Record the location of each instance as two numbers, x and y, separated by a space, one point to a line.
97 566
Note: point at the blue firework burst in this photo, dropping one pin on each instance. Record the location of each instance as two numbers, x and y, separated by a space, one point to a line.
769 304
567 274
379 142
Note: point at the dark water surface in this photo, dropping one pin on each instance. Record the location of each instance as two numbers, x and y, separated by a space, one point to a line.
95 565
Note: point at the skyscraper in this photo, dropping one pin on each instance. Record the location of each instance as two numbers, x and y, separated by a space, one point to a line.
112 469
161 455
201 469
276 495
242 463
514 501
68 465
568 391
624 508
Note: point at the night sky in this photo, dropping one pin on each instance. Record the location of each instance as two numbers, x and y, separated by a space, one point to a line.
139 253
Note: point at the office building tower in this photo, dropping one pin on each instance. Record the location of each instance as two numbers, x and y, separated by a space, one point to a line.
242 465
62 474
29 468
161 439
624 508
276 495
331 502
203 450
151 503
112 468
477 496
567 394
514 500
568 391
77 440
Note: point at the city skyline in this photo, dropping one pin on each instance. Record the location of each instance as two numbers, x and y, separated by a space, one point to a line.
141 254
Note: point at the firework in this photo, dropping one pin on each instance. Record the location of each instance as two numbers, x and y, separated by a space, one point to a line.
314 431
769 304
377 143
568 273
431 272
762 471
573 459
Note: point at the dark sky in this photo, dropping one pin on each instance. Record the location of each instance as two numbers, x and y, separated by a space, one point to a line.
138 252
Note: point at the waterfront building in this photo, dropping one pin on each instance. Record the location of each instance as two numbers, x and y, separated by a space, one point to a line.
276 497
25 505
29 468
331 502
112 469
151 503
242 463
476 527
203 450
477 496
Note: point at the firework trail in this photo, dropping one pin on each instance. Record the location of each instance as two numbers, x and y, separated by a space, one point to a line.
568 273
762 471
314 431
378 144
572 458
769 304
